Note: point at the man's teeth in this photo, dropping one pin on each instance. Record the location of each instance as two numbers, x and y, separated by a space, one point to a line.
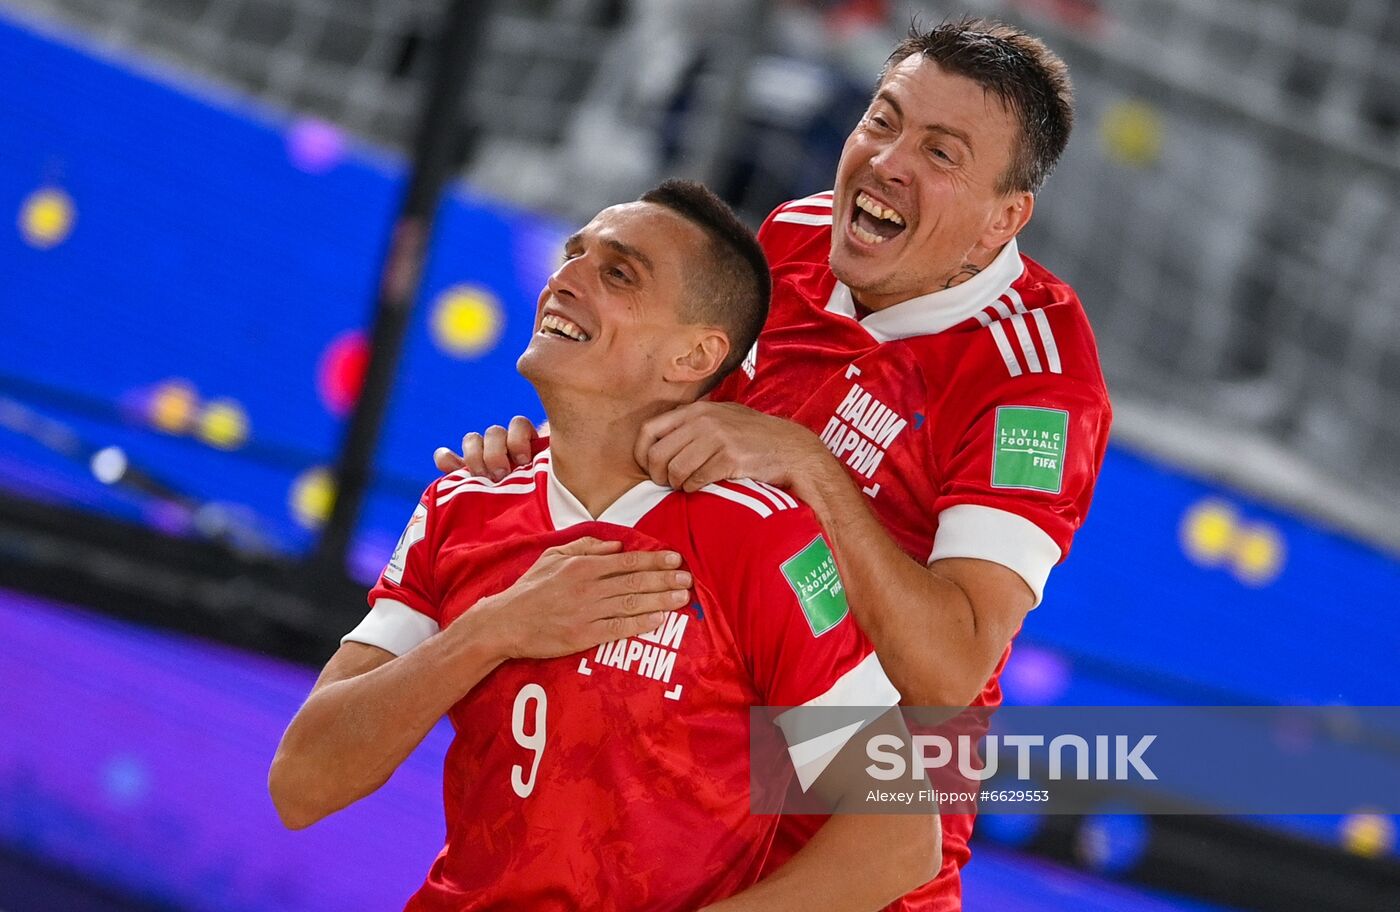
869 205
551 323
868 237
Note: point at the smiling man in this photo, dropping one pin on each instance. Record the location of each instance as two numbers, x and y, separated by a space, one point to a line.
598 639
947 414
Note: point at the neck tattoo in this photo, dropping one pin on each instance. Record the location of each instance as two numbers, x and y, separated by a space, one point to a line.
967 271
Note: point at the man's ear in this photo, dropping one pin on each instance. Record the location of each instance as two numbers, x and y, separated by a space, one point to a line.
709 347
1007 221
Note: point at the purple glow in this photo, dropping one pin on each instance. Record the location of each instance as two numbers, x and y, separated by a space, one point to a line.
136 405
1035 676
315 146
537 249
367 557
140 758
125 780
170 518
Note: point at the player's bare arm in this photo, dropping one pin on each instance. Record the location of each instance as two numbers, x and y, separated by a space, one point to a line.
964 611
370 709
897 851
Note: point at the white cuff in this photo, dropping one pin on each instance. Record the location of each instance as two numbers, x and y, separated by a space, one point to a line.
865 686
989 534
392 626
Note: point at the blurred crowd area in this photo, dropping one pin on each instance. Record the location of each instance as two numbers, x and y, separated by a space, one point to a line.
1229 208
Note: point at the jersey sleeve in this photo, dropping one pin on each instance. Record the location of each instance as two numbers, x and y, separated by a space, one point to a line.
796 630
404 608
1019 473
801 642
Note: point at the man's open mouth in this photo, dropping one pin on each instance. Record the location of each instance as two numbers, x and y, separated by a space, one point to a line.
872 222
558 327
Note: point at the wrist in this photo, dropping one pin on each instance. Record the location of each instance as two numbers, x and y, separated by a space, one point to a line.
479 633
817 473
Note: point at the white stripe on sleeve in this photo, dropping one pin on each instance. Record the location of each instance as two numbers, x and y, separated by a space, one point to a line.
865 685
782 495
1004 346
802 218
753 503
1047 338
999 536
1023 335
816 202
392 626
772 495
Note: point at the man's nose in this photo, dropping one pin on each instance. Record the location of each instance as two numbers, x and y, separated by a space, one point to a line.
565 280
891 164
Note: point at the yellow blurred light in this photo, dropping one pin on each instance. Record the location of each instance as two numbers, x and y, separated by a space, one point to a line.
1208 532
173 406
1369 835
1131 133
312 497
223 424
1259 554
467 321
47 217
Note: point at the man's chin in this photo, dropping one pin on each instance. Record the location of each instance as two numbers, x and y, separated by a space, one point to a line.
855 270
532 365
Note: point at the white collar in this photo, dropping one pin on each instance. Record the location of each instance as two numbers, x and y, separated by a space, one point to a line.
939 310
565 510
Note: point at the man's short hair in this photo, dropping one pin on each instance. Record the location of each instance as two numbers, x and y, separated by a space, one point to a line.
729 286
1028 77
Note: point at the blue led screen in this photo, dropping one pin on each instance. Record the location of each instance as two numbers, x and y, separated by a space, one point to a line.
189 279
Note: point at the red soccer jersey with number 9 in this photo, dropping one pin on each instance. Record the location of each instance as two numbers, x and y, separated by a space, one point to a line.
618 778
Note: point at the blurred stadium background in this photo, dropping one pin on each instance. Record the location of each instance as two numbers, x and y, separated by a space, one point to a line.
257 252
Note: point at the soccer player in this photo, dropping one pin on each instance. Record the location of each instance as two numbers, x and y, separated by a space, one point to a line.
948 413
598 639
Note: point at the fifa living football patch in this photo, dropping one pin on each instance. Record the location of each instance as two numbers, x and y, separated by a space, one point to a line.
1030 448
812 575
413 533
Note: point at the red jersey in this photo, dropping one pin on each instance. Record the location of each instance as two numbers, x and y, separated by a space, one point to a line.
618 778
975 418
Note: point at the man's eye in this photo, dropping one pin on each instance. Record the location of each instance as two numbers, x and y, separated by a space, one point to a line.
568 256
620 275
941 155
880 121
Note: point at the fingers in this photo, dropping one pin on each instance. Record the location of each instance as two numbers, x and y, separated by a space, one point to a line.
655 430
635 603
657 460
519 436
647 581
446 460
681 468
625 562
716 468
493 452
616 628
587 546
472 459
